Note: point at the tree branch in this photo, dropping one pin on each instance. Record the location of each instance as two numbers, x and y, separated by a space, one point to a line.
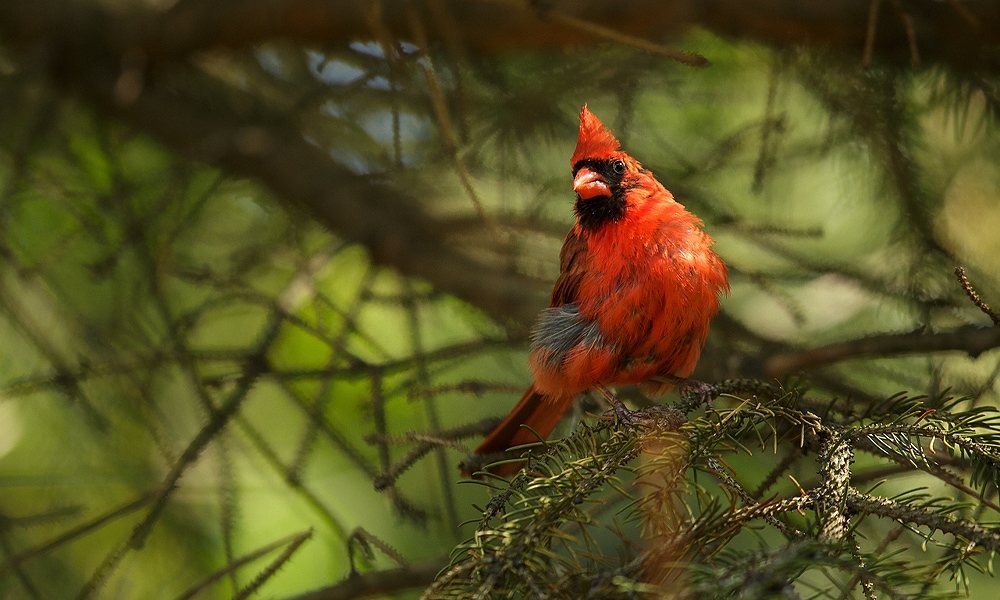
925 517
377 583
971 293
389 223
970 339
960 36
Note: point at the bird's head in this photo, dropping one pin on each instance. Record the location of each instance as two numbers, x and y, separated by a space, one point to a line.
603 175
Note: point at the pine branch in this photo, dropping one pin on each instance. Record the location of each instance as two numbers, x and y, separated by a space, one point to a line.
923 517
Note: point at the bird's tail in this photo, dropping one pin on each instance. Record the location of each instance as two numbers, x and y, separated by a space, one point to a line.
540 413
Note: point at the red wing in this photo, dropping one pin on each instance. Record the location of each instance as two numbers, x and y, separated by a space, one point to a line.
572 266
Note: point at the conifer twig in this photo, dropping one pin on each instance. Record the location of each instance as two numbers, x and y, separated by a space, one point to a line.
964 281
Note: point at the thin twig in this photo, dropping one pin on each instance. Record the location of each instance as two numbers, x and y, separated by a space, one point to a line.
227 505
772 477
440 105
911 35
964 281
260 443
21 574
469 386
966 15
254 366
430 405
770 127
426 443
873 9
273 568
362 541
856 578
691 59
728 481
292 540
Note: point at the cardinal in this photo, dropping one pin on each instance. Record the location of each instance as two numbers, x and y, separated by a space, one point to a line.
638 285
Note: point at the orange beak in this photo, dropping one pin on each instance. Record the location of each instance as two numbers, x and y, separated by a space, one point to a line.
589 184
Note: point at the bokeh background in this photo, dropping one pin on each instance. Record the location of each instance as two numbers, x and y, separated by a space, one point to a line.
252 250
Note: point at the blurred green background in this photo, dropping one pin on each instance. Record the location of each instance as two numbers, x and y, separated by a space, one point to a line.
307 224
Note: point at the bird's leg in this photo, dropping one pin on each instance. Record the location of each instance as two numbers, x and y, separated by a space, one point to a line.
624 414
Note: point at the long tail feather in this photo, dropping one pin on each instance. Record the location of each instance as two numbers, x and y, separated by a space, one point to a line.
538 412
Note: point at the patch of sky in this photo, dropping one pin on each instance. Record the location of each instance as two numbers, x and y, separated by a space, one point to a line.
375 49
355 162
333 71
332 109
369 48
379 83
269 60
379 126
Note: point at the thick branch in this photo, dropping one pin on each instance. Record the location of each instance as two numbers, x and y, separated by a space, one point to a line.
926 517
970 339
389 223
377 583
960 36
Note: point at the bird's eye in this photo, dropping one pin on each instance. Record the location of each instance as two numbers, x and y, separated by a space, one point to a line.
619 167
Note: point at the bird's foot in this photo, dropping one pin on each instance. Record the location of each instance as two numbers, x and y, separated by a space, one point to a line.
622 412
691 389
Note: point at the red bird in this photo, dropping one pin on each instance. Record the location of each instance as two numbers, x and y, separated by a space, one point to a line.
638 285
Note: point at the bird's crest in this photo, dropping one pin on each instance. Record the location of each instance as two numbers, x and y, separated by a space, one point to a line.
595 140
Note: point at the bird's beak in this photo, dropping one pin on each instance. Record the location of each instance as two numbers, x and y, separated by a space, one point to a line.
589 184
